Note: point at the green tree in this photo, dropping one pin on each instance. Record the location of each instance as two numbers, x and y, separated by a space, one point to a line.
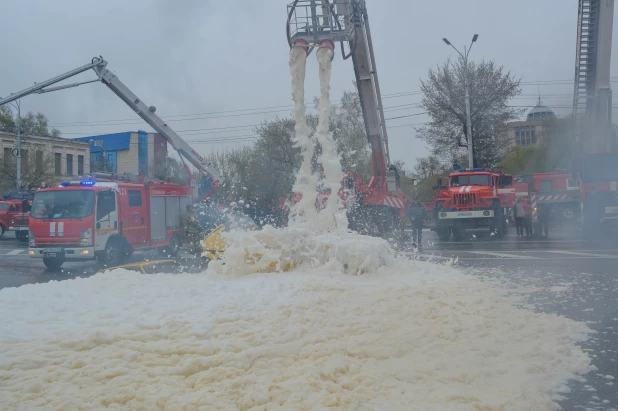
444 101
31 124
172 170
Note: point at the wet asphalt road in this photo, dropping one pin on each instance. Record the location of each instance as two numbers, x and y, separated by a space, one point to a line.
562 274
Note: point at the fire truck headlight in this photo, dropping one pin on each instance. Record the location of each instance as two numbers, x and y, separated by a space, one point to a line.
86 237
30 238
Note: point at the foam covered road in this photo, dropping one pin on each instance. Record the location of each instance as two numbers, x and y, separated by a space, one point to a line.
563 275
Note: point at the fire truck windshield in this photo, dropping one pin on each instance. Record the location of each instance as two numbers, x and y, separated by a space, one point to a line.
4 207
62 204
470 180
600 168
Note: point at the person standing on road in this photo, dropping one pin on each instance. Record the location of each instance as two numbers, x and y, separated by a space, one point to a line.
417 215
520 214
528 217
544 216
191 227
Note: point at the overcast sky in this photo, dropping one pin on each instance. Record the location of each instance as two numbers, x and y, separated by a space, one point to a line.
202 62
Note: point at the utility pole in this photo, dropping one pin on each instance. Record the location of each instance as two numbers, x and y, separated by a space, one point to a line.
467 86
18 175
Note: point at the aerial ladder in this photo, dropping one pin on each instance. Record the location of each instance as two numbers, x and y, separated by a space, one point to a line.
597 165
321 23
211 176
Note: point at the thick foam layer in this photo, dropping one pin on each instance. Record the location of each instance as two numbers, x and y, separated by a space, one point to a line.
412 336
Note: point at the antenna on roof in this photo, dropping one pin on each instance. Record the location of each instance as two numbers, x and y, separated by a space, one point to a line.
539 103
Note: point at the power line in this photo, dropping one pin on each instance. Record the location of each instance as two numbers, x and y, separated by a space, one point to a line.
242 112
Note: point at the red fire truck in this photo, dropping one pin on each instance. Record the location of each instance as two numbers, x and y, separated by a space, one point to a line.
473 199
14 217
105 219
598 176
558 189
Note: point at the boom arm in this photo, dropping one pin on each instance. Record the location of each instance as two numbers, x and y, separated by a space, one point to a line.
99 65
311 25
368 85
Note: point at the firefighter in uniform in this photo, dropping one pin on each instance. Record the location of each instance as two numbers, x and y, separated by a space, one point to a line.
191 228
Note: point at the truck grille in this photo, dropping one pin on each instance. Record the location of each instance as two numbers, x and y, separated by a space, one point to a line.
66 241
465 199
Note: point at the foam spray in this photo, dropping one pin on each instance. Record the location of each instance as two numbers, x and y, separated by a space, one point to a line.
303 212
332 216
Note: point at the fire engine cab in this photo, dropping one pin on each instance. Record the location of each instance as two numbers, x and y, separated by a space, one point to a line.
105 219
474 199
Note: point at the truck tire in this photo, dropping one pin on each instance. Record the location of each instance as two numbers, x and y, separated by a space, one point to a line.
113 253
568 212
1 230
458 233
22 236
53 264
444 234
174 247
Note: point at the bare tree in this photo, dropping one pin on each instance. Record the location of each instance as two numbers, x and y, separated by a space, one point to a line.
37 167
444 100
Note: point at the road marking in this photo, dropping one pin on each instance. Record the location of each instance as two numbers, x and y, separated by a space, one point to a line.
15 252
583 254
502 255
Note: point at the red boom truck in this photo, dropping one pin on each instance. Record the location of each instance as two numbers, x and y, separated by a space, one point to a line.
105 219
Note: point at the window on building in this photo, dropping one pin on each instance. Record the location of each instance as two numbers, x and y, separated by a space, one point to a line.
58 164
80 165
104 163
69 164
39 161
135 198
7 155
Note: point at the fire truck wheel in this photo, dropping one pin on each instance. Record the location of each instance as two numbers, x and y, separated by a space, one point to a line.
1 230
444 234
458 233
112 254
53 264
173 248
568 213
22 236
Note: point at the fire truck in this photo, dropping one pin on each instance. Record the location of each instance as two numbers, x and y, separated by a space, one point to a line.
558 189
473 199
376 207
598 177
14 217
107 217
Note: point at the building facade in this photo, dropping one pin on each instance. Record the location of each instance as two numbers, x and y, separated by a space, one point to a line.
536 127
60 157
136 152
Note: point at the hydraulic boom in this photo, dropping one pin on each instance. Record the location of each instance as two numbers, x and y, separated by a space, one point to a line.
99 65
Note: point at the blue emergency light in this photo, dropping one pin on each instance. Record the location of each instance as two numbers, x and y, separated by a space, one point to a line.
87 183
65 183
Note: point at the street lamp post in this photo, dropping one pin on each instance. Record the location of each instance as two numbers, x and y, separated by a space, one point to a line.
466 82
